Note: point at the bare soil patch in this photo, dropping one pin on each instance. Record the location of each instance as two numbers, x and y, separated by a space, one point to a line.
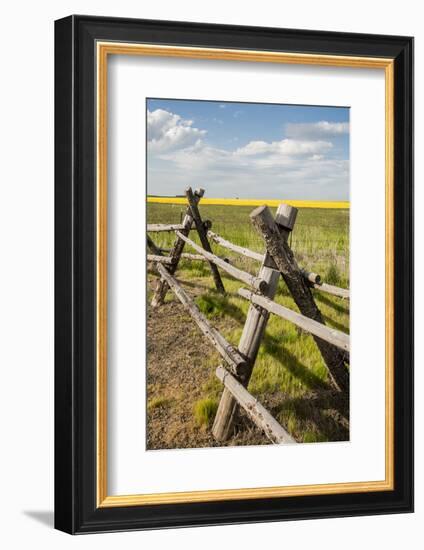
180 362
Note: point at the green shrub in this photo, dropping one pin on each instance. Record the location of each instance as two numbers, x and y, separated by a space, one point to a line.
332 276
313 437
204 411
212 304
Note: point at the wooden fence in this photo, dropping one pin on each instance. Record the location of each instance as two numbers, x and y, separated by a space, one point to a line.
278 260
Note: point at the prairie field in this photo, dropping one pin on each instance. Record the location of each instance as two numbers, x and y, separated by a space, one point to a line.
289 377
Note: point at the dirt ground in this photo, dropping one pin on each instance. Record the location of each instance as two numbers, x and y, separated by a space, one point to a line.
176 372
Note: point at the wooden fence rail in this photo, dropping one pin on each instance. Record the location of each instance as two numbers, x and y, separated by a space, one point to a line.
251 280
334 290
158 258
251 337
260 416
202 232
231 356
313 278
278 260
283 256
235 248
176 251
184 256
335 337
159 227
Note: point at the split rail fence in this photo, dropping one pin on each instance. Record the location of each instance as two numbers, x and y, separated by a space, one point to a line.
278 260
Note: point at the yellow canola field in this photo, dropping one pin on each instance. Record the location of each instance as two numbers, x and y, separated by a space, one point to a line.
254 202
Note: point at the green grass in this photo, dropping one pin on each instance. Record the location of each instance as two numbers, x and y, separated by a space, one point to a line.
204 411
332 275
288 361
320 237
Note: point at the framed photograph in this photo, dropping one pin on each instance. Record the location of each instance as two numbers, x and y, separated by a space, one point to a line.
234 274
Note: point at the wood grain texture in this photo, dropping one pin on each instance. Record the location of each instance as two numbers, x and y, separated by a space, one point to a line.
279 250
330 335
256 282
159 227
314 278
175 254
235 248
160 259
253 330
311 277
233 358
333 290
202 232
256 412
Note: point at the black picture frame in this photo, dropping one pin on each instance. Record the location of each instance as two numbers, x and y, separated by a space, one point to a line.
76 510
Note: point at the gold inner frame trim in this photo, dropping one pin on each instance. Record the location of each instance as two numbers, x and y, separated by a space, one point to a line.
104 49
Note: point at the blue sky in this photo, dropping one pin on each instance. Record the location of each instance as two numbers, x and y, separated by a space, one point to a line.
248 150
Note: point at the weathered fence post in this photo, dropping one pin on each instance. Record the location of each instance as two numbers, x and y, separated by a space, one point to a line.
155 249
258 413
253 330
203 238
175 253
282 255
256 282
331 335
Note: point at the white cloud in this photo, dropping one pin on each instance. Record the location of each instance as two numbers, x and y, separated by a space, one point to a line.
289 168
256 155
260 169
314 180
316 130
167 131
285 147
